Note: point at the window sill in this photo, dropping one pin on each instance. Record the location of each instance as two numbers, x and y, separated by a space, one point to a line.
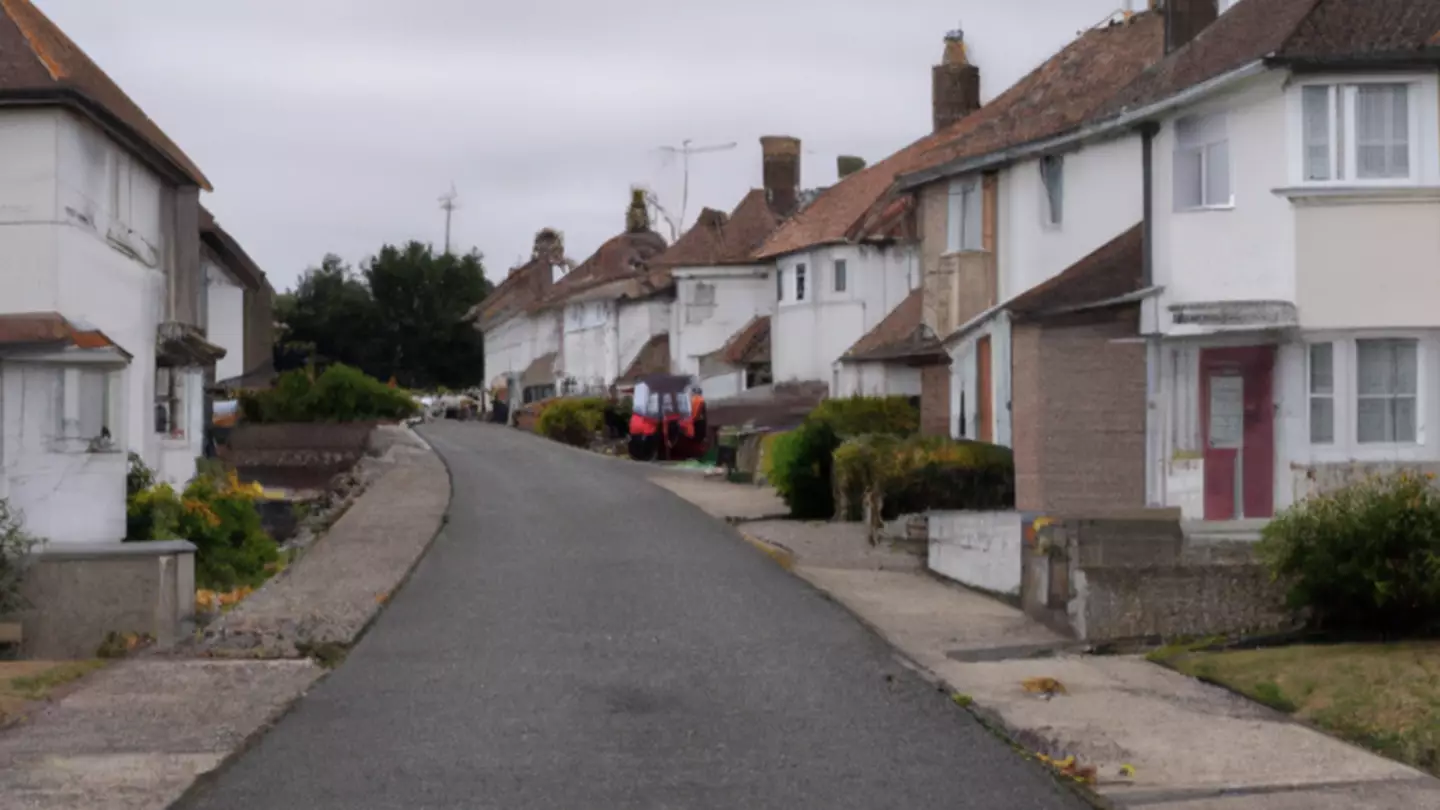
1345 194
1204 209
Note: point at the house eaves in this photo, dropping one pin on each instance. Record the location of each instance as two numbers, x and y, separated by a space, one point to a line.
1099 130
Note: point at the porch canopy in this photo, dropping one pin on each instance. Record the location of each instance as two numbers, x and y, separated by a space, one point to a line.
184 345
50 336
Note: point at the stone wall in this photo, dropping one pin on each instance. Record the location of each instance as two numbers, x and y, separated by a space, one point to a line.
935 399
296 455
1318 479
1137 575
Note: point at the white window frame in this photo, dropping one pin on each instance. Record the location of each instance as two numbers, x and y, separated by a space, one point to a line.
1346 446
1311 395
1209 131
840 278
1051 170
1389 396
964 226
801 276
780 284
1343 149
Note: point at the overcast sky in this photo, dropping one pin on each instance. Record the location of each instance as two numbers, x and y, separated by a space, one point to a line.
334 125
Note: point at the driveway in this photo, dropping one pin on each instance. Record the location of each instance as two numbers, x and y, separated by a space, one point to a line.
580 638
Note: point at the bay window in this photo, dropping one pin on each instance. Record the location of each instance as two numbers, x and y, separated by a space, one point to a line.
1363 395
1387 374
1357 132
1322 393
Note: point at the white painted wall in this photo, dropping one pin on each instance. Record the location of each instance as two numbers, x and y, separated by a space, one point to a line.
225 320
876 379
809 336
740 294
639 322
979 549
1102 193
965 381
1368 265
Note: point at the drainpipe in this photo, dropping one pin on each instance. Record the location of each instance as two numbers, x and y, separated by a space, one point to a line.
1154 379
1147 151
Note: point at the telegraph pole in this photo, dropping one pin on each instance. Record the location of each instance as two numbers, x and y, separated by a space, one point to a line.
685 150
449 201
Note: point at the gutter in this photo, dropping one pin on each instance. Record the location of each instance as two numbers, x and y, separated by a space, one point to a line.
1141 294
1123 121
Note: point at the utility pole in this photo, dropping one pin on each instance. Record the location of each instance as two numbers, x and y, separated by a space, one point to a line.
685 150
449 201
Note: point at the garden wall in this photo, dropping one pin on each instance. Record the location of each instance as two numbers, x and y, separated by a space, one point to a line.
298 455
979 549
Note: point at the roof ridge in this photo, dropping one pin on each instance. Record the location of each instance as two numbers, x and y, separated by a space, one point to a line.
1295 29
36 47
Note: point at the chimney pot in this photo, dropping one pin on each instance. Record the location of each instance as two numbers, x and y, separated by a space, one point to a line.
780 163
637 216
847 165
955 84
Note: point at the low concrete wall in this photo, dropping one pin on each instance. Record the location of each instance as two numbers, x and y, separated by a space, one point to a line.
297 456
78 594
979 549
1111 579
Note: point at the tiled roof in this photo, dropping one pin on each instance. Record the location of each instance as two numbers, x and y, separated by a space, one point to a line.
1060 95
51 330
697 246
901 334
38 63
541 371
653 358
752 221
1115 269
1357 31
625 256
749 345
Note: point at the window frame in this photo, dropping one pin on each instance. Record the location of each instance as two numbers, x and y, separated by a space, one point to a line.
780 284
800 275
840 281
1211 130
957 235
1311 395
1346 447
1051 169
1390 396
1344 150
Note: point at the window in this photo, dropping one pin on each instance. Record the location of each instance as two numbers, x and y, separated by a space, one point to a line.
840 280
1355 132
799 282
1322 393
965 217
1202 163
1386 372
1052 178
779 285
170 402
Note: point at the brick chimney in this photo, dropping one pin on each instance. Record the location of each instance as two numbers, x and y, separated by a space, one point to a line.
549 251
846 165
955 83
780 156
637 216
1185 19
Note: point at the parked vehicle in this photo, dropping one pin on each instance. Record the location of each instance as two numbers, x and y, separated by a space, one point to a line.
668 420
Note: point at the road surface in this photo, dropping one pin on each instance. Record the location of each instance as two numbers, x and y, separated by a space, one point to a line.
578 638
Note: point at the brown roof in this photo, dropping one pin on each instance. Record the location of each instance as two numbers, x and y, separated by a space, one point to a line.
697 246
51 330
1115 269
1061 94
899 335
1356 31
749 345
524 285
752 221
38 63
540 371
653 358
622 257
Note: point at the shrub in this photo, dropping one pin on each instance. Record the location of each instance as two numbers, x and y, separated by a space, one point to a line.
894 476
803 459
15 547
341 394
1363 559
218 514
572 421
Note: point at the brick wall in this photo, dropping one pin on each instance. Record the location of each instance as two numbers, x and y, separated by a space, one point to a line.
933 201
935 400
975 285
1079 414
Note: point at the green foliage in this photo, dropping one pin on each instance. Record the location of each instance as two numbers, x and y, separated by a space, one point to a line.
401 316
138 476
1364 559
898 476
572 421
341 394
15 547
216 513
802 460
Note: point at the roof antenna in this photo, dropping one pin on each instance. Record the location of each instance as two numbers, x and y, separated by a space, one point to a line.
685 150
449 201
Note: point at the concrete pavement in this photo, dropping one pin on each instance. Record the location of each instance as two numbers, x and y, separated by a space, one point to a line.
577 638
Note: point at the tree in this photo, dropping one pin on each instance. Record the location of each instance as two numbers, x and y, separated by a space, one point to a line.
399 317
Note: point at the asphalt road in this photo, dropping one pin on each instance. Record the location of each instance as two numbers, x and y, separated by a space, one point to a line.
579 638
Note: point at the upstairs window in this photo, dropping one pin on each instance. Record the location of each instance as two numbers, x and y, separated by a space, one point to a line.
965 217
840 280
779 285
1052 181
1353 132
1202 163
799 282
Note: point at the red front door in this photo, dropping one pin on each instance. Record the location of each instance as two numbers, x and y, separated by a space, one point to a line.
1237 415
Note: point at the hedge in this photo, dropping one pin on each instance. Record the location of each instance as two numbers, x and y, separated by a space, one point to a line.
341 394
802 461
572 421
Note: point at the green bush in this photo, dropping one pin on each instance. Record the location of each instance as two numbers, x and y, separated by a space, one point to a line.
803 459
1364 559
896 476
572 421
15 547
216 513
341 394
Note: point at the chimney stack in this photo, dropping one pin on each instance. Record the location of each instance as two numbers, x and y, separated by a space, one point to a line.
846 165
955 83
637 216
781 163
550 249
1185 19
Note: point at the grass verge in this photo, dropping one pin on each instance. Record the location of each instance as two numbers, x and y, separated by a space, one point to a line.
1385 697
25 682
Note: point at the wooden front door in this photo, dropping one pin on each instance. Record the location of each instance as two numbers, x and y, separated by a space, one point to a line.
1237 415
984 401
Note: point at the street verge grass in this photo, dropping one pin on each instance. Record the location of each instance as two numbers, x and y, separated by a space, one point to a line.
1385 697
25 682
